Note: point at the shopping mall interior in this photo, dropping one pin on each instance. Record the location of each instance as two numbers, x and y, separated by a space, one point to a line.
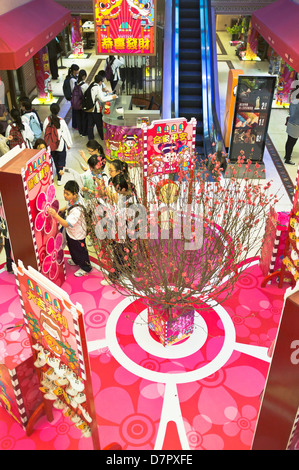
222 388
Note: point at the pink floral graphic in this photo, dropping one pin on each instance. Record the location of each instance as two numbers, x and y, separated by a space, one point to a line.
54 256
43 202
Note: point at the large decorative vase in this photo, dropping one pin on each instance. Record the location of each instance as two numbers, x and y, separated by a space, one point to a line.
171 324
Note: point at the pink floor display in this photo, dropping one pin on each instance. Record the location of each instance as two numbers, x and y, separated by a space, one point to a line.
202 393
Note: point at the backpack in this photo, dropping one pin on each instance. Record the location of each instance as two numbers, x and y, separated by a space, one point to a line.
77 97
17 138
89 221
87 103
108 71
35 126
67 88
51 137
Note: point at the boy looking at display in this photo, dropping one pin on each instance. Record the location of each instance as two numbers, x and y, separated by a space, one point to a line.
75 228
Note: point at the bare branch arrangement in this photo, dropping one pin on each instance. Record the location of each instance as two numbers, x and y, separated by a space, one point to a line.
188 239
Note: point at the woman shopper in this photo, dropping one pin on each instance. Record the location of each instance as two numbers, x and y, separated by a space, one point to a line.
292 131
58 138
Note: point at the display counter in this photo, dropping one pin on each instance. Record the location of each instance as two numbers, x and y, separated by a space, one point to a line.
122 130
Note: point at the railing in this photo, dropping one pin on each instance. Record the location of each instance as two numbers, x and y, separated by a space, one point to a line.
212 133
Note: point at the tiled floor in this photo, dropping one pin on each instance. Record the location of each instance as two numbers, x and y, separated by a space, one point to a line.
276 129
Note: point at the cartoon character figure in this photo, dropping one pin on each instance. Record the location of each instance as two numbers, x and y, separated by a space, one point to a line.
107 9
114 148
141 11
130 145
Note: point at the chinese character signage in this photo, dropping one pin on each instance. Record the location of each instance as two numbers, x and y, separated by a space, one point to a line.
125 27
253 104
167 145
40 195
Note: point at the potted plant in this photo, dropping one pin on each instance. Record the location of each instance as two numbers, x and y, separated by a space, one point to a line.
235 31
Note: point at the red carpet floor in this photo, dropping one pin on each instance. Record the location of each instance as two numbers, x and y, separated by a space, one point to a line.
201 394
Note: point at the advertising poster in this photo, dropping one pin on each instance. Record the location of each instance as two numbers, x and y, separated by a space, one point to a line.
125 27
40 194
167 145
253 104
123 143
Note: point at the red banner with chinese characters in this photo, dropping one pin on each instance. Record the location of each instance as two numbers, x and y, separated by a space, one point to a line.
125 27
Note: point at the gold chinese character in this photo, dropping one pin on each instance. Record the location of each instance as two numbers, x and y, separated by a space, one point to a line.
132 43
143 43
107 43
119 43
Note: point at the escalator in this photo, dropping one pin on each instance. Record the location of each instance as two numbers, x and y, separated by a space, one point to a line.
190 69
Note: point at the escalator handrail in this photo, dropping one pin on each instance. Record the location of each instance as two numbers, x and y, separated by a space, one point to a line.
209 66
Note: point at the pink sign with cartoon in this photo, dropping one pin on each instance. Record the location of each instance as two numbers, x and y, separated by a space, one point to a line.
168 145
125 27
40 194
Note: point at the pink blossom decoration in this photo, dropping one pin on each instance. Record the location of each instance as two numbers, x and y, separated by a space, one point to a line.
43 202
54 256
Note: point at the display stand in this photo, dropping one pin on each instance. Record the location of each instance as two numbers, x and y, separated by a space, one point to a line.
57 335
27 190
232 83
278 414
168 149
290 265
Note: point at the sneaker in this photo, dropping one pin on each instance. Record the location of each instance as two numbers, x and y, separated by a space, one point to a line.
59 183
289 162
80 273
71 262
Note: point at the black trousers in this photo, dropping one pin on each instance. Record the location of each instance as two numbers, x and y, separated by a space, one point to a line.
82 122
59 159
290 143
95 119
53 67
79 253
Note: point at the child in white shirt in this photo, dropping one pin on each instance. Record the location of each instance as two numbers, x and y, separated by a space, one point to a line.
75 226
